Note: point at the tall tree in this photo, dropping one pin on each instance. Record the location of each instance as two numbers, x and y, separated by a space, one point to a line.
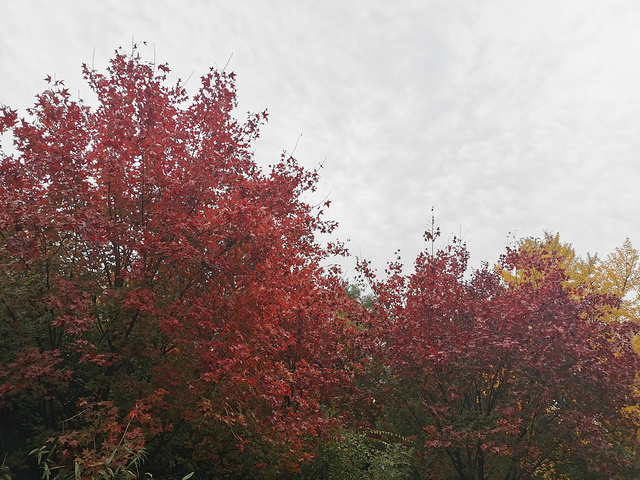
506 379
161 298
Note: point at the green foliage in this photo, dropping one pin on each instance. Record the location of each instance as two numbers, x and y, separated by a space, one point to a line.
122 464
374 455
357 292
5 471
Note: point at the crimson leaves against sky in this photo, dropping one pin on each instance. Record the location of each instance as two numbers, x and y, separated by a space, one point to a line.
164 309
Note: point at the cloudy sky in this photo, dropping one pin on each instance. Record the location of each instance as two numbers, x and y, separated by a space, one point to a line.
509 117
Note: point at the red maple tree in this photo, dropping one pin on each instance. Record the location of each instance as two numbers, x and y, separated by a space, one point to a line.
157 289
163 307
508 376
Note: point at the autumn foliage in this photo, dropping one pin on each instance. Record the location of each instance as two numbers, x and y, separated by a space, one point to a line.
150 271
164 309
507 379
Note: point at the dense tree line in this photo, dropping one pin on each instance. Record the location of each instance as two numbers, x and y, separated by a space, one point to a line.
165 312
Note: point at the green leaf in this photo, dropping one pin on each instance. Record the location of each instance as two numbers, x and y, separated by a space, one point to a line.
110 459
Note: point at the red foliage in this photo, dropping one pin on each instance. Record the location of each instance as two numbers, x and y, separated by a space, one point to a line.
143 250
504 379
159 291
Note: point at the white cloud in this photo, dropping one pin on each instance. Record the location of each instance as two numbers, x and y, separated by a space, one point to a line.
505 115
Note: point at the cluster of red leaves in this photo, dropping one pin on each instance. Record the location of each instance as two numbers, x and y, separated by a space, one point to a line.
504 376
32 373
142 250
101 442
159 291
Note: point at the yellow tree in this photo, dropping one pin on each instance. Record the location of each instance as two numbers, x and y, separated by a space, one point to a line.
581 272
619 275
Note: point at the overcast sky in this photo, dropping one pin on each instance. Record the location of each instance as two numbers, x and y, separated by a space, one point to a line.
507 116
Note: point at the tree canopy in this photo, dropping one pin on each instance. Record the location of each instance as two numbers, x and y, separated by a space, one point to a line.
158 290
165 309
506 379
